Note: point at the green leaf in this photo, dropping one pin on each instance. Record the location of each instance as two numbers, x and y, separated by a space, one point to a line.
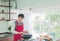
9 28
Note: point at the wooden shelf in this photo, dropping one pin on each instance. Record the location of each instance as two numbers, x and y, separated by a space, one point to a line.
7 13
5 6
4 20
7 19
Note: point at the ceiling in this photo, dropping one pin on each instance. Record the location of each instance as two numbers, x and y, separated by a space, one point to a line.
38 3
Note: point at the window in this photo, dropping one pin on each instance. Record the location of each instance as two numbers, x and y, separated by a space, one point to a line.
45 23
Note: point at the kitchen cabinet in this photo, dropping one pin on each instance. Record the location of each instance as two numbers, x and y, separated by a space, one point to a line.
7 39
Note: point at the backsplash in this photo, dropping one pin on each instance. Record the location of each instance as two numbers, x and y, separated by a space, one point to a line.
3 26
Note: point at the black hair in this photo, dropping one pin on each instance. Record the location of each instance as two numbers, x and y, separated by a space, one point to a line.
21 15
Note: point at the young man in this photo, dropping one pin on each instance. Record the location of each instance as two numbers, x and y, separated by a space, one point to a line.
18 28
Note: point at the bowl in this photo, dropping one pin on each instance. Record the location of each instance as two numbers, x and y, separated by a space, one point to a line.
26 36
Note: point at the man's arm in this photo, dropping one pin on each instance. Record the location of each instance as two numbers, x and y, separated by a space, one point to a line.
13 28
12 24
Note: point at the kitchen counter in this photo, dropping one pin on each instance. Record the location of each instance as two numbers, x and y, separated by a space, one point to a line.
6 37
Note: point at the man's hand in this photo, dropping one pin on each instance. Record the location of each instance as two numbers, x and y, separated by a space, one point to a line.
25 32
20 33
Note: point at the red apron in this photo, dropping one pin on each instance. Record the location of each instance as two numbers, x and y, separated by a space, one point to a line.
19 28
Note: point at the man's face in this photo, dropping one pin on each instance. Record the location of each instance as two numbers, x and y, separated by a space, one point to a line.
20 19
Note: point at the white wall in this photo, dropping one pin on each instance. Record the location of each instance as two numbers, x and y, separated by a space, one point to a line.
3 24
36 5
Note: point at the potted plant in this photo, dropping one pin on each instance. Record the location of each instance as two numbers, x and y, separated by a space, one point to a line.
10 0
